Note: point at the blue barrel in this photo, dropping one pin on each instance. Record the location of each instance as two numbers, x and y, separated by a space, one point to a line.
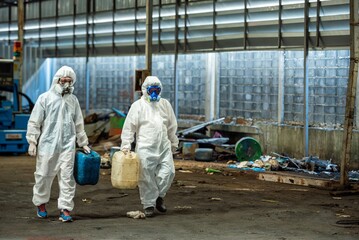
87 168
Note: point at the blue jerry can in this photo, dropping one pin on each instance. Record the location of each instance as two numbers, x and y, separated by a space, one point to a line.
87 168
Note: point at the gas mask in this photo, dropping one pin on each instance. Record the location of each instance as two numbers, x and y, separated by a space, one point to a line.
64 88
154 93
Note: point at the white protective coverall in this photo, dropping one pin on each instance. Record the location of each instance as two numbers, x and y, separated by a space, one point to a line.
54 125
155 126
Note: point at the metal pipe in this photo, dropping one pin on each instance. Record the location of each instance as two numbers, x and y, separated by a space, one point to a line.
214 26
93 27
149 4
135 27
317 40
280 9
74 30
9 25
351 93
20 25
306 80
175 75
113 27
87 71
185 26
39 54
245 36
20 20
159 26
280 87
56 28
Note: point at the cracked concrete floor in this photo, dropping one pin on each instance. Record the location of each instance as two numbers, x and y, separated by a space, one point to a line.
231 205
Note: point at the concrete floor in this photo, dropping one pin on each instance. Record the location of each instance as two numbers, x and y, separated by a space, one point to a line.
233 205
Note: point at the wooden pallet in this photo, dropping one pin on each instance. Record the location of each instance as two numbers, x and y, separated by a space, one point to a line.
290 178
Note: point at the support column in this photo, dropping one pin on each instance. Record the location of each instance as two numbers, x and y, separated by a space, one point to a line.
351 93
212 92
306 80
149 4
280 87
175 71
20 34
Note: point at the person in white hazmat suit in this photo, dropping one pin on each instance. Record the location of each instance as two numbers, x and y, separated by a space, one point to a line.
153 121
55 123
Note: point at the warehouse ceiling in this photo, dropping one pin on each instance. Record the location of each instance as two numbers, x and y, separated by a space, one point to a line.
118 27
7 3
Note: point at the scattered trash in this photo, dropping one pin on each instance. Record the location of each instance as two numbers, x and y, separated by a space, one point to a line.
87 200
216 199
337 198
185 171
136 215
309 165
189 186
342 215
183 207
273 164
258 163
255 169
231 162
211 170
105 161
316 165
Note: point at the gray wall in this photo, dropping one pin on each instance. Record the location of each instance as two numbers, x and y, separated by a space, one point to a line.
288 140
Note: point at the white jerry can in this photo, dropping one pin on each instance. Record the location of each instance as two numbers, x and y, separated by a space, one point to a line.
125 170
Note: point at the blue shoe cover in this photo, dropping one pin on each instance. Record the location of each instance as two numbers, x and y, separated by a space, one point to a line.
65 216
41 211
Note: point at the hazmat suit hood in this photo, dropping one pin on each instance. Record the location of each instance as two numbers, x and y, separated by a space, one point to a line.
150 81
64 71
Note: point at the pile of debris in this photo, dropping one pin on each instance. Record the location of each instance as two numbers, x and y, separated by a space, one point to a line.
196 145
309 165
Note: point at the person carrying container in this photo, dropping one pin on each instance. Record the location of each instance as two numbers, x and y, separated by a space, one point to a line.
55 124
152 120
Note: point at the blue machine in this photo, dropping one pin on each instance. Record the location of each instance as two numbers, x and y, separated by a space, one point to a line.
13 123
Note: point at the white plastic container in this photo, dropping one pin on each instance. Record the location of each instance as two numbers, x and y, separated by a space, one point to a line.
113 150
125 170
